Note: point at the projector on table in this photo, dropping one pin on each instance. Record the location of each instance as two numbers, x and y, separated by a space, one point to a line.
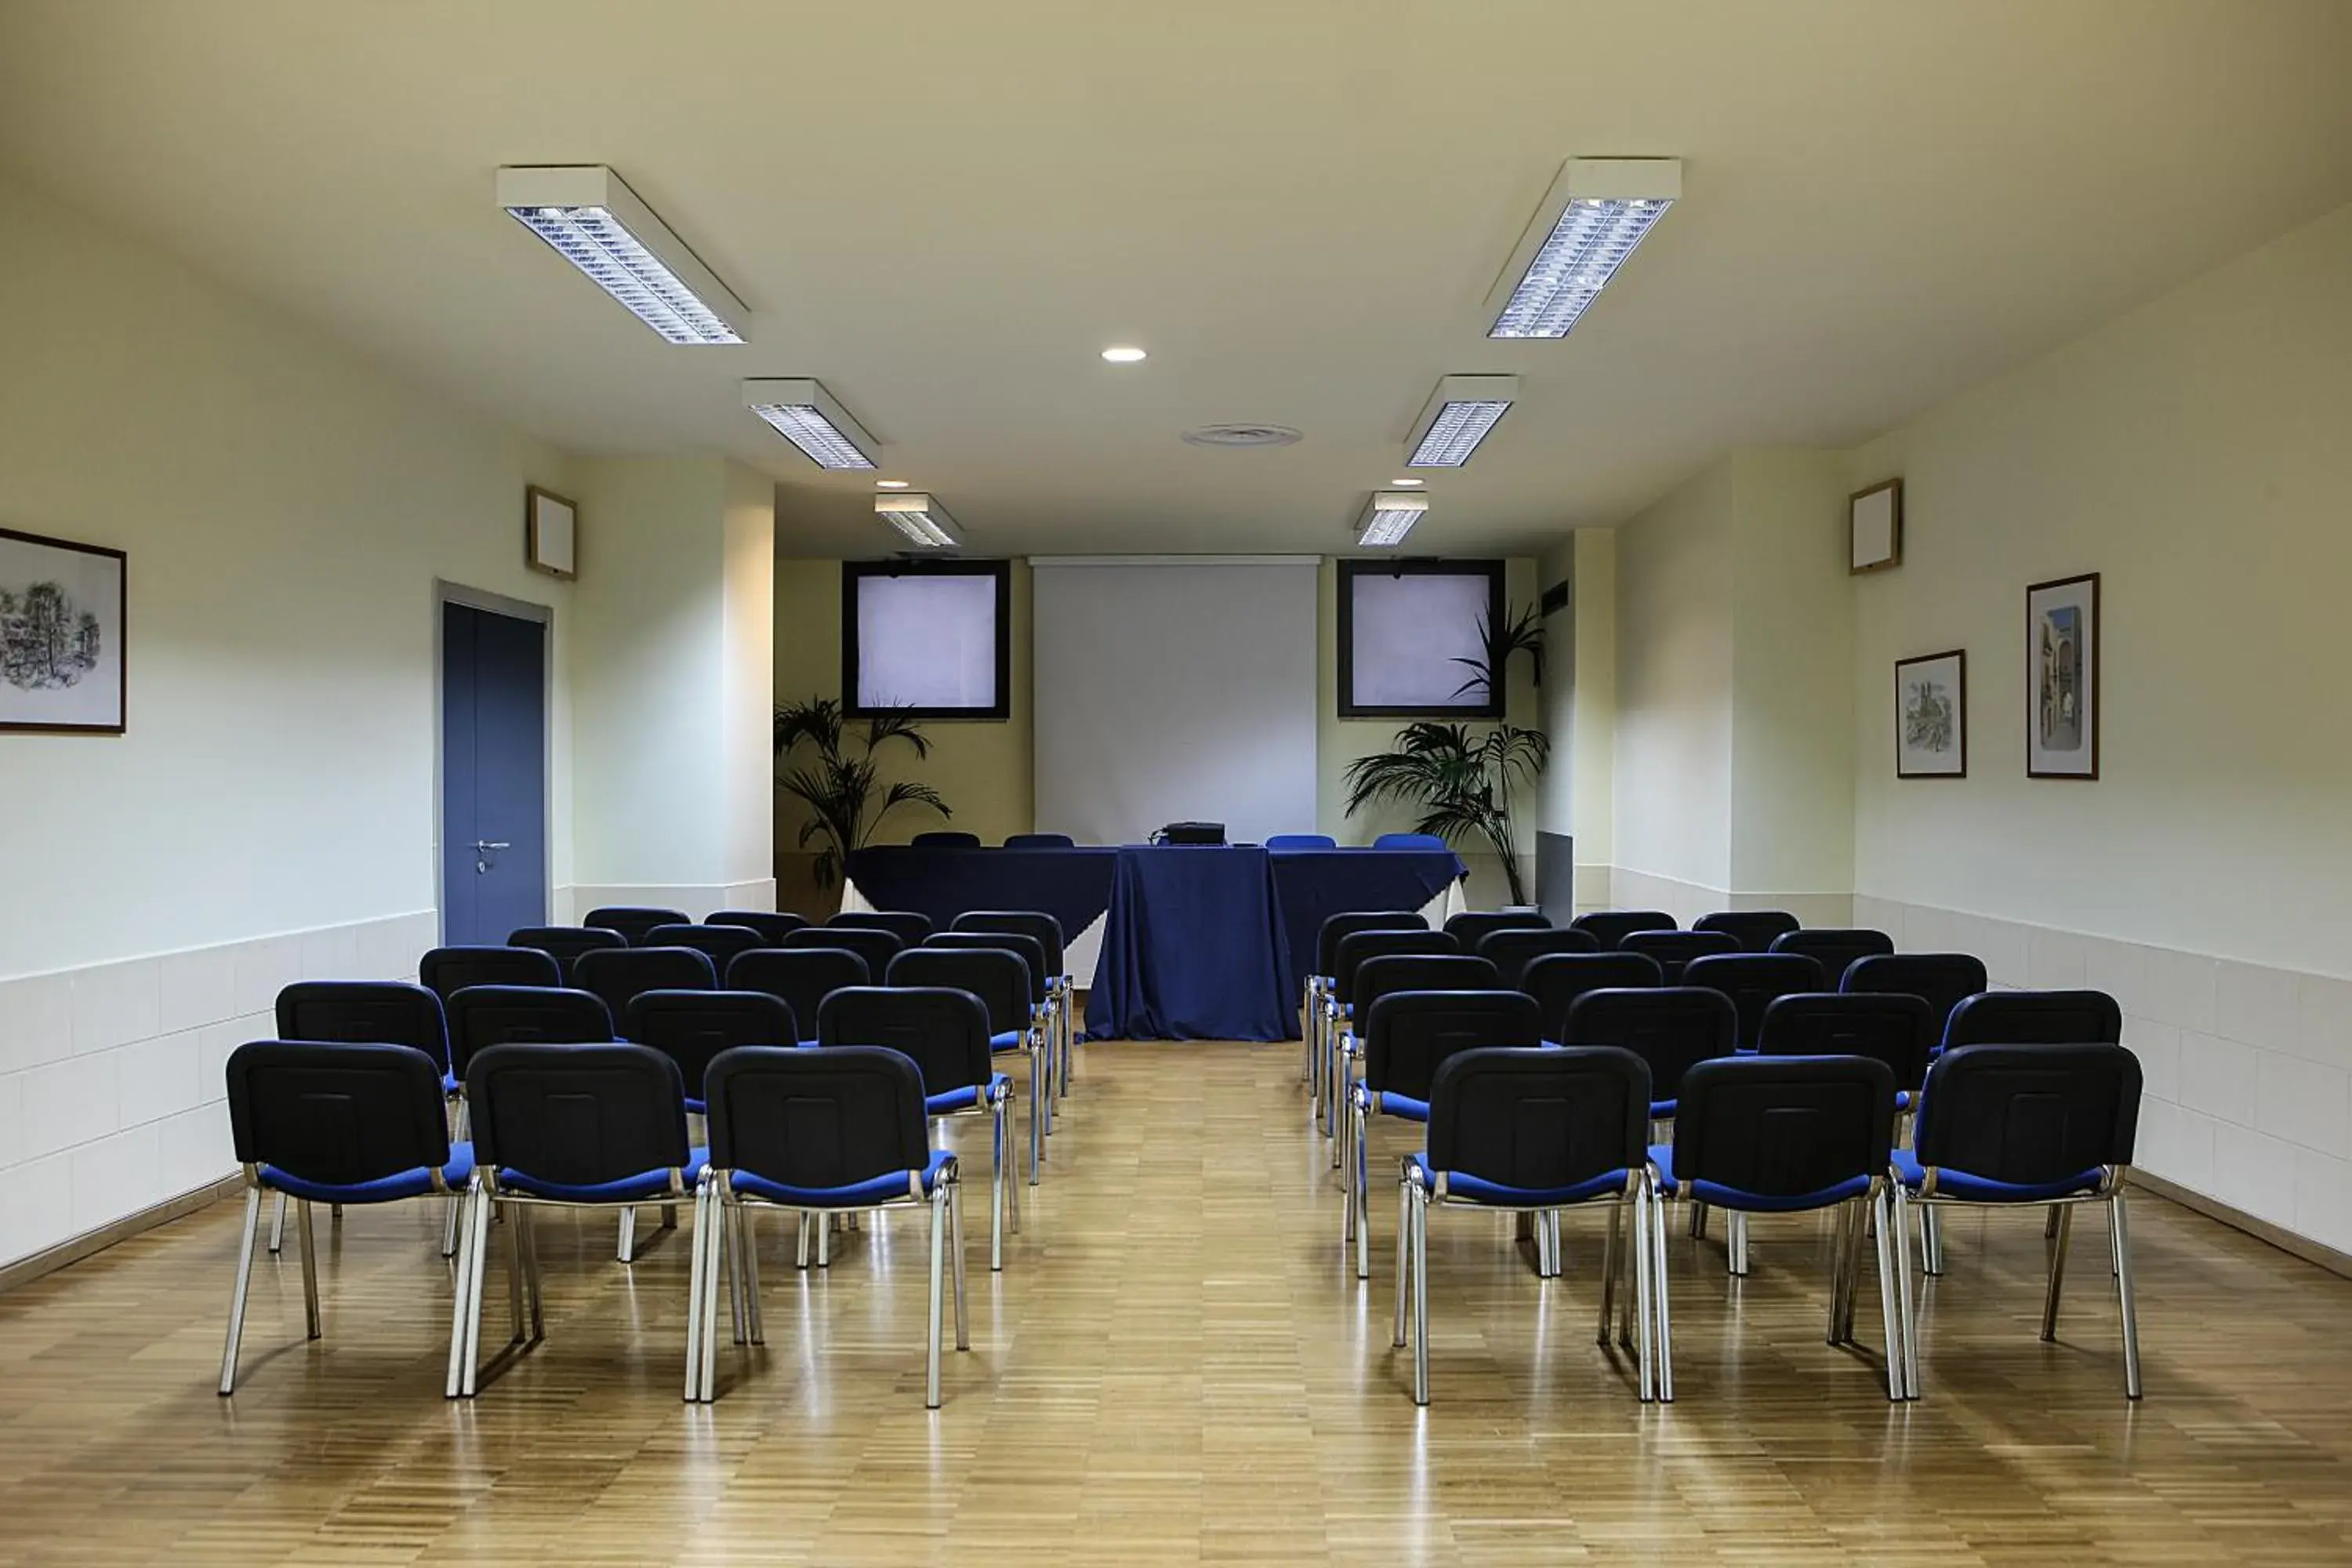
1191 833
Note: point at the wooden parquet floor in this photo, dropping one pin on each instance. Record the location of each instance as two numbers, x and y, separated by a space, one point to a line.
1175 1368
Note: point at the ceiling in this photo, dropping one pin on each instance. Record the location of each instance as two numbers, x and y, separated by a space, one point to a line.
945 210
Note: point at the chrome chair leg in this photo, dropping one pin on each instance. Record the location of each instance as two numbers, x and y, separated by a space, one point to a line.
754 1324
2051 1220
1664 1352
1897 1381
2125 1301
1403 1251
1419 1266
457 1313
480 1244
955 1229
1360 1193
277 1225
1735 1242
1841 1258
237 1293
1931 1240
628 1244
697 1261
309 1269
938 1260
1036 1137
1698 1221
450 1227
515 1223
1552 1238
1611 1260
997 1191
737 1310
714 1263
2059 1237
1905 1305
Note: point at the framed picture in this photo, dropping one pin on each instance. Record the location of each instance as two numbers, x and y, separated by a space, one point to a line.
550 525
62 612
2061 678
1931 716
1873 528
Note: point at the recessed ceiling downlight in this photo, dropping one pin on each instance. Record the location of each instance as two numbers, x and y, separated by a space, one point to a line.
1242 435
1123 354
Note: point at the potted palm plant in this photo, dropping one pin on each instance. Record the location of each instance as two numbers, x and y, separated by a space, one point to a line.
843 788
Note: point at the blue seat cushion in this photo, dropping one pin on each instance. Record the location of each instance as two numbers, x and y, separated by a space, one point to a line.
1007 1040
1389 1102
1662 1108
415 1184
449 1084
964 1099
1959 1185
1717 1195
1462 1187
865 1194
646 1186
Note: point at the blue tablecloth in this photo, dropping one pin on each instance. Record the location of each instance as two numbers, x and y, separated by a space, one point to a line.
1193 949
1071 885
1314 884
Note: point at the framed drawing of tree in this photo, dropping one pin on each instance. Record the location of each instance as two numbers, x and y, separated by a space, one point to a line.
61 628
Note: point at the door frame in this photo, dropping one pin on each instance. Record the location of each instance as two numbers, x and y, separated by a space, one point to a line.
445 593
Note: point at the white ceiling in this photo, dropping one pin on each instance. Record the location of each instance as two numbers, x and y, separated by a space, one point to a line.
943 210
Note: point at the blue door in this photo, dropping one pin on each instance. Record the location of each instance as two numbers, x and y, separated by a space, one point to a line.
493 774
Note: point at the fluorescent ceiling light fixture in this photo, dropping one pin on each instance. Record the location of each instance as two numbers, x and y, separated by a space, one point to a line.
596 223
1122 354
1596 212
1389 517
919 518
804 414
1456 418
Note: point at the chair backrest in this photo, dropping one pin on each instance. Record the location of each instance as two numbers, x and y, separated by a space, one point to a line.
1379 977
877 948
1408 1033
799 977
817 1119
2027 1115
942 1030
481 1016
1886 1026
1785 1128
945 838
338 1114
633 921
577 1116
1754 981
1301 841
1039 841
1754 930
718 943
909 926
1539 1119
1671 1028
1410 841
1348 923
1359 948
1031 951
1674 949
1942 979
446 971
1036 923
564 944
1834 948
616 974
773 925
1510 951
2035 1019
1555 980
378 1012
1609 928
998 975
1470 925
692 1028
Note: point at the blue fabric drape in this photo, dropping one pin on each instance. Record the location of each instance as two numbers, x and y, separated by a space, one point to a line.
1314 884
1071 885
1193 949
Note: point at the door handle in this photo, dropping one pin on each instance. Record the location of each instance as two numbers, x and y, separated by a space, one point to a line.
488 843
483 849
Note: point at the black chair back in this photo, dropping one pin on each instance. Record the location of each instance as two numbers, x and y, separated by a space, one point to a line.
1784 1128
577 1116
818 1119
692 1028
877 948
363 1012
1539 1119
1754 930
908 927
801 978
1379 977
1673 950
1609 928
564 944
1885 1026
1754 981
772 925
446 971
718 943
997 976
481 1016
945 838
1556 980
1509 951
632 921
1348 923
1039 841
2035 1019
1359 948
1944 980
944 1032
1044 928
1031 951
1470 925
1834 948
1672 1028
1409 1033
2029 1115
336 1113
617 974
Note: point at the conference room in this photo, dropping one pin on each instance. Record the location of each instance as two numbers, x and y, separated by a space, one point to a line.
1310 784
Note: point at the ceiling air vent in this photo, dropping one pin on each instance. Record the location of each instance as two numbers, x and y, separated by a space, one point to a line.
1242 435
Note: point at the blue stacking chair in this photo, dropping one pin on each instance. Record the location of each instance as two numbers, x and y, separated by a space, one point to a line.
1556 980
1754 981
1000 978
562 943
1609 928
1039 841
615 975
1471 926
1792 1135
1318 986
692 1027
1374 978
1301 841
2005 1126
1885 1026
598 1126
1044 960
718 943
1531 1132
633 921
822 1131
481 1016
1942 980
1671 1029
1430 841
910 926
2035 1019
1835 949
944 1032
333 1123
773 926
876 946
1754 930
1673 950
801 978
945 838
1510 951
1061 987
1347 954
446 971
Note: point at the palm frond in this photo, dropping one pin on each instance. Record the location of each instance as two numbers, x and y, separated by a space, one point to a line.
894 724
842 784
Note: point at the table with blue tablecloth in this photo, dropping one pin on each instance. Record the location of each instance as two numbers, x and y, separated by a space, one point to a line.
1175 941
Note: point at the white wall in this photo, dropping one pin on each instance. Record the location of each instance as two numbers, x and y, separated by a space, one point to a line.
286 508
